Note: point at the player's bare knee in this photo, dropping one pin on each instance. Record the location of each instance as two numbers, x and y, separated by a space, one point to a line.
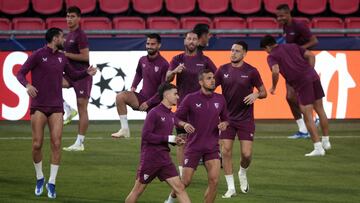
226 151
213 181
56 144
36 146
179 188
246 156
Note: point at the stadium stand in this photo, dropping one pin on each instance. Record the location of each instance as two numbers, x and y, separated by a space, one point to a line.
114 6
13 7
246 6
5 24
327 22
190 22
213 6
180 7
129 23
270 5
56 22
96 23
46 7
28 24
147 7
86 6
261 23
229 23
344 7
311 7
352 23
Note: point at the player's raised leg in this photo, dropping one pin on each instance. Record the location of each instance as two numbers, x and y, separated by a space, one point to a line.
179 189
213 170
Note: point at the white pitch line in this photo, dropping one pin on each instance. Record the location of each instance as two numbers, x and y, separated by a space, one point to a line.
133 138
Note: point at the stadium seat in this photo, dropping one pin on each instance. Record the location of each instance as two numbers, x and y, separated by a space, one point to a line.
213 6
311 7
47 7
304 20
5 24
146 6
96 23
352 23
180 7
56 22
163 23
270 5
114 6
262 23
229 23
86 6
344 7
327 23
28 24
14 7
246 6
129 23
190 22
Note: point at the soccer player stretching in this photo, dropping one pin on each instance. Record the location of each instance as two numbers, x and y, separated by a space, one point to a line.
152 70
237 80
296 65
155 160
206 111
47 66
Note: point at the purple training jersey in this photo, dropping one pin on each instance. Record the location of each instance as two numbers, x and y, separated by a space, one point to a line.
204 112
158 125
75 41
47 69
187 81
153 73
237 83
293 66
297 32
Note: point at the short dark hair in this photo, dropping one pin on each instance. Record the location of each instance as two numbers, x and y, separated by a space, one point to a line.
200 29
284 7
165 87
186 34
243 44
202 72
51 33
74 9
154 36
267 40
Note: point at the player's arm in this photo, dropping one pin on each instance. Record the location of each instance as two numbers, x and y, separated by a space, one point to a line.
77 75
137 78
29 64
82 56
170 75
218 78
310 57
311 43
224 117
260 94
148 134
275 70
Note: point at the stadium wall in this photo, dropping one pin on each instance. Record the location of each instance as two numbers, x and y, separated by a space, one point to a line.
338 70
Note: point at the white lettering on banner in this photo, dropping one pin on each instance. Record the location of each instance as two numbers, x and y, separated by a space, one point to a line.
326 66
19 111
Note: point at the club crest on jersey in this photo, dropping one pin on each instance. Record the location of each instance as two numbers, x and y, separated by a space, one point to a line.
156 68
146 176
162 119
226 75
200 64
44 59
244 76
186 161
60 59
216 105
198 105
143 65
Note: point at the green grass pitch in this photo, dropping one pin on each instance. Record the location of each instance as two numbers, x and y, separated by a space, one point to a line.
106 170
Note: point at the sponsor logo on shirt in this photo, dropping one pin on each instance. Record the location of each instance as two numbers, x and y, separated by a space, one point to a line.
156 68
71 41
146 176
251 135
216 105
163 119
200 64
198 105
292 33
226 75
186 161
60 59
44 59
143 65
244 76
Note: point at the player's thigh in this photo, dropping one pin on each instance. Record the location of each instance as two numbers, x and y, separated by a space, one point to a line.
227 145
290 92
55 121
175 183
213 169
130 99
187 175
82 102
38 122
246 147
139 187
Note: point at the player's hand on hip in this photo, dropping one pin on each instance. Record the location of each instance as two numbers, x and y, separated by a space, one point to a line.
180 68
179 141
189 128
250 99
272 90
31 90
144 106
223 125
91 70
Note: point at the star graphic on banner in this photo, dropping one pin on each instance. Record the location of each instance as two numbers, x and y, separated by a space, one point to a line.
101 66
120 73
95 102
112 106
103 84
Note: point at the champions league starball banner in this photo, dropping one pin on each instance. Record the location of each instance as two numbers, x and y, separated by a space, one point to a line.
339 72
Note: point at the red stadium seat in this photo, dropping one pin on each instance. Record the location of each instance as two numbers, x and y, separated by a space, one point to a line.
229 23
213 6
327 23
96 23
311 6
352 23
47 7
304 20
129 23
190 22
246 6
114 6
56 22
262 23
14 7
5 24
180 7
86 6
146 6
163 23
270 5
28 24
344 7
